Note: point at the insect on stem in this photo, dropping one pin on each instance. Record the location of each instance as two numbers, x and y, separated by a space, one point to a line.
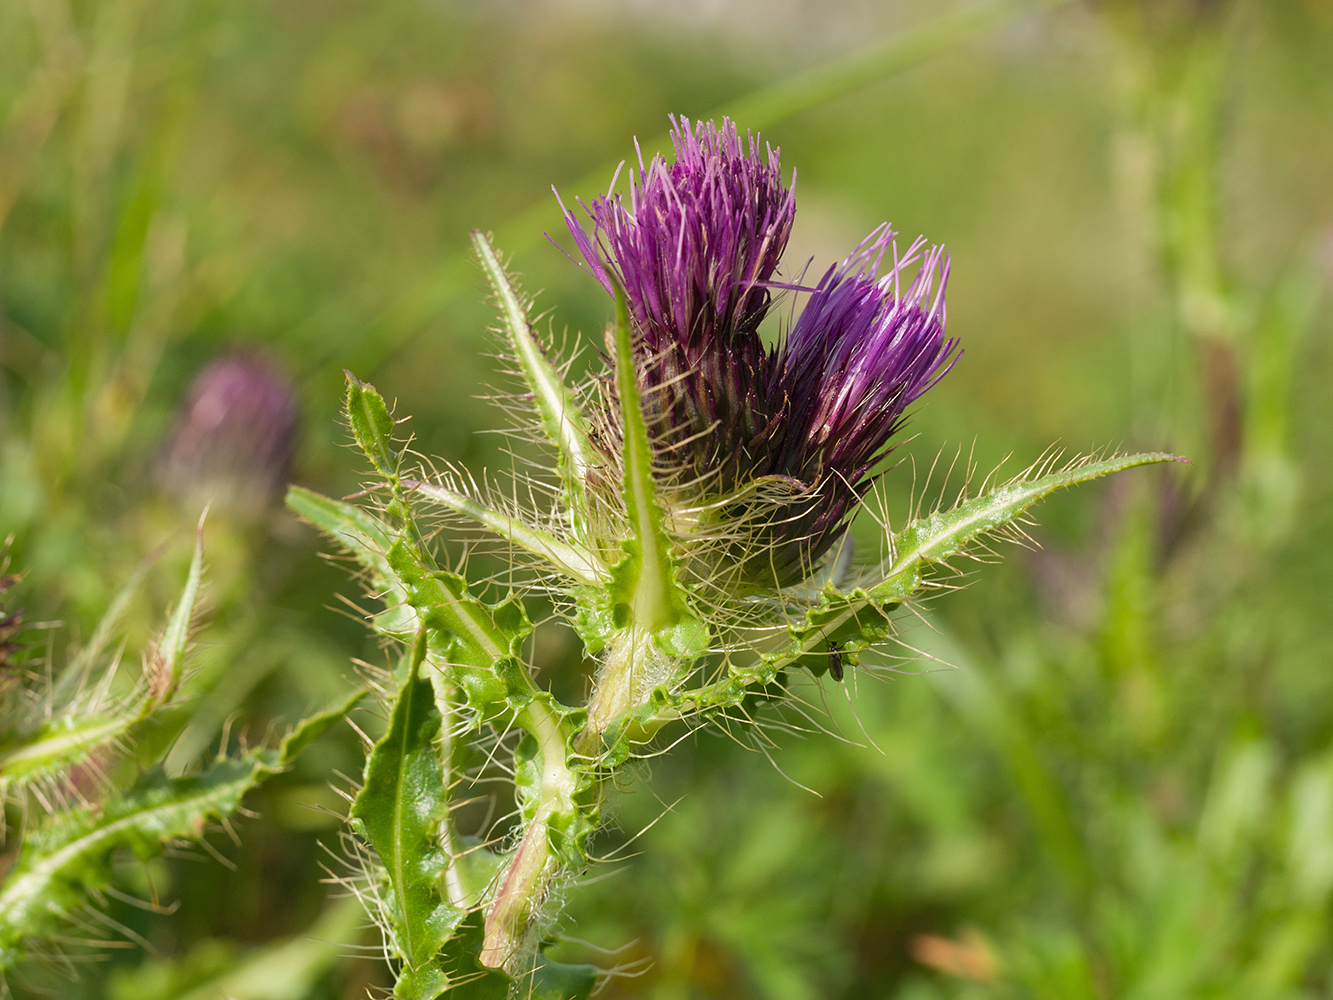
835 661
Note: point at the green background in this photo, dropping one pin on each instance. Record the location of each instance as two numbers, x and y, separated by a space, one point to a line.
1102 770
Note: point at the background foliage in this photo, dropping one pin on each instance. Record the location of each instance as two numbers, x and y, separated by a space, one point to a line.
1126 786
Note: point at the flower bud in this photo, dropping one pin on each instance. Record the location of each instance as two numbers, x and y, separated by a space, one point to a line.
234 441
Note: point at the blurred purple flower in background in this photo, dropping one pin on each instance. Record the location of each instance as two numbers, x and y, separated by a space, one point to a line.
234 441
697 250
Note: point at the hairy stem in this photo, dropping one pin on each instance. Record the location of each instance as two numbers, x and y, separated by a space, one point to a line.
533 866
634 666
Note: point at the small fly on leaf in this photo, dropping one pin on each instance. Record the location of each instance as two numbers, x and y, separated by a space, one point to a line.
834 661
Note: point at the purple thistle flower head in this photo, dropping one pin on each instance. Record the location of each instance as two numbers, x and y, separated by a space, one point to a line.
861 352
697 251
699 242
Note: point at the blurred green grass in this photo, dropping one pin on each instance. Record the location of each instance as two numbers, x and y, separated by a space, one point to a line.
1123 790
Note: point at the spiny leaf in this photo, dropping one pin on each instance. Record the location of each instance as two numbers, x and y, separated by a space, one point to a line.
560 415
479 643
69 855
850 621
474 981
372 426
78 668
315 725
938 536
369 540
646 593
76 728
399 571
400 810
573 560
64 859
486 634
855 619
57 745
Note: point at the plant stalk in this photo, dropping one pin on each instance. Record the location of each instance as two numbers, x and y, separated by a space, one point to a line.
634 666
533 866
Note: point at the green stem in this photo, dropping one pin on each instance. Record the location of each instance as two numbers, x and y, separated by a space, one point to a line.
634 666
533 867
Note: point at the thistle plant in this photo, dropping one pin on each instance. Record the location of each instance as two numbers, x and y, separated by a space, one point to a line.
692 530
83 745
